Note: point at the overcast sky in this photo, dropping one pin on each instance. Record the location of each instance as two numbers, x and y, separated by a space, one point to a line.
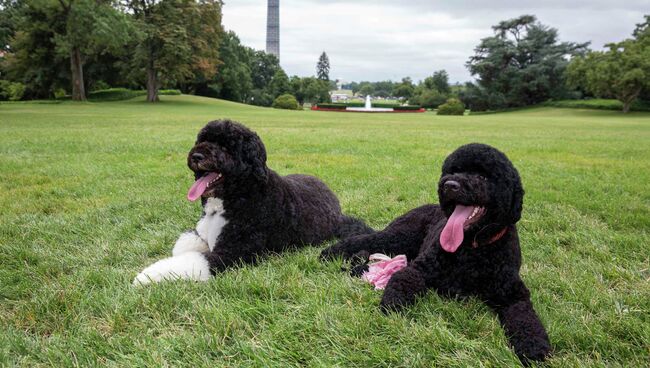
379 40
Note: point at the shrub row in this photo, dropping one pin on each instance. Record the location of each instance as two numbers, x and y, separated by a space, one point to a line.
599 104
117 94
338 106
114 94
374 104
407 108
342 106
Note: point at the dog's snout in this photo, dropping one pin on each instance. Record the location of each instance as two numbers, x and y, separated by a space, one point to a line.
451 186
197 157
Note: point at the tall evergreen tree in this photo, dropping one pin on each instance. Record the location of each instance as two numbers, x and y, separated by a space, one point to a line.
522 64
323 67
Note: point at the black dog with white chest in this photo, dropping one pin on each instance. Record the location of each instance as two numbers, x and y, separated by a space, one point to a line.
466 246
248 209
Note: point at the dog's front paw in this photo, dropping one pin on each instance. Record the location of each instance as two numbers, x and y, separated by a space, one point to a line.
390 302
190 265
402 289
536 350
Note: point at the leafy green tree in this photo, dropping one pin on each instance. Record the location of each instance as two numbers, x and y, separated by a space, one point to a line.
383 88
429 98
90 27
279 84
54 32
295 82
260 97
405 89
8 22
523 62
354 87
323 67
180 41
622 72
439 81
263 68
641 32
33 59
233 80
366 88
333 85
310 89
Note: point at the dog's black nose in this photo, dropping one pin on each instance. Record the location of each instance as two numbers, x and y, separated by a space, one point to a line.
451 186
196 157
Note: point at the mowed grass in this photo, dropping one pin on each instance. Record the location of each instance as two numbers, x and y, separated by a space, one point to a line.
92 193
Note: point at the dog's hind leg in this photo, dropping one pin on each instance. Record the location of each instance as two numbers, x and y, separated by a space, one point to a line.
402 236
189 241
351 226
190 266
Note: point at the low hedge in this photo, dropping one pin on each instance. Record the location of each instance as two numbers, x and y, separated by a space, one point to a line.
407 108
115 94
598 104
374 104
119 94
338 106
343 106
170 92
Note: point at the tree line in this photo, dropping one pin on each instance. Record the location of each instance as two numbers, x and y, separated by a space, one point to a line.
50 48
524 63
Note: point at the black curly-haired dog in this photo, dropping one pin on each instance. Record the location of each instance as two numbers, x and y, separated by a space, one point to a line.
248 209
466 246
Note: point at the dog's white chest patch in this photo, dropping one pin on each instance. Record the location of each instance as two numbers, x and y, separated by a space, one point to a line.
209 226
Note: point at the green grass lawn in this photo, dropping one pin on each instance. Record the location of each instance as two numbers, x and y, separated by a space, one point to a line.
92 193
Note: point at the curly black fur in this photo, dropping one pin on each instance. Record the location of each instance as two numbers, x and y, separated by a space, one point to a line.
265 212
486 265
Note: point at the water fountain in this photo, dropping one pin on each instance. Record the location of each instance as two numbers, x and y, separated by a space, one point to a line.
342 107
368 107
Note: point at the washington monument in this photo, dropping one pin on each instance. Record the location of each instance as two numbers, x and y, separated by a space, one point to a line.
273 28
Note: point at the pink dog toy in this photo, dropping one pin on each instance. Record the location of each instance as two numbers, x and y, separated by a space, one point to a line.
381 271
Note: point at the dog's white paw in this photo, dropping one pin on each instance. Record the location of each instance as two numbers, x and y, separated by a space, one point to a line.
190 266
189 242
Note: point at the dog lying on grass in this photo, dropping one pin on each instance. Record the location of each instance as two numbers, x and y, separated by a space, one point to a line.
466 246
248 209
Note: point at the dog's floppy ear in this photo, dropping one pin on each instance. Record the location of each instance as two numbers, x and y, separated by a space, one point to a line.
254 155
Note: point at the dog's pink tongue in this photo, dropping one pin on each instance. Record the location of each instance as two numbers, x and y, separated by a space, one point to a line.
199 186
452 235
